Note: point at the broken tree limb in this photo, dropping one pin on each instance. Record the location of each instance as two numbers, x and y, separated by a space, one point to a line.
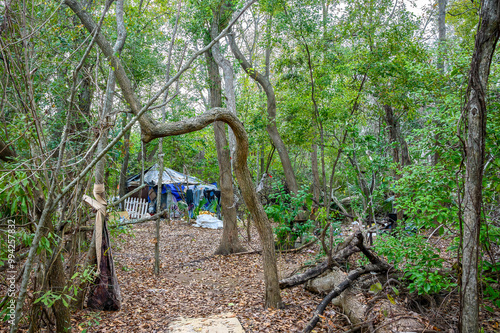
342 208
137 221
295 280
339 289
311 243
141 220
300 248
351 301
129 194
369 254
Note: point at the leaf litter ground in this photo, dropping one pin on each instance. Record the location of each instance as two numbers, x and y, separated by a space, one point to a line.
195 283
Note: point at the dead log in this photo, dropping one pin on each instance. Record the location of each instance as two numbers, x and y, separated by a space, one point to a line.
377 265
300 248
351 300
344 251
338 259
353 275
385 310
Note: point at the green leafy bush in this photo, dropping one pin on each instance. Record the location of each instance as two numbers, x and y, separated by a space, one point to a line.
418 260
426 194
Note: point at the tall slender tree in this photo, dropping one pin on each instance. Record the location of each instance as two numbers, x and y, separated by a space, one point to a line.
475 112
229 242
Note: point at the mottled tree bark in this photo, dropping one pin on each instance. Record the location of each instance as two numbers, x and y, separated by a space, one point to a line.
476 114
57 282
229 242
440 62
441 33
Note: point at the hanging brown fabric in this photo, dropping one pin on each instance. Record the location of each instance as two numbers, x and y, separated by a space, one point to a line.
105 292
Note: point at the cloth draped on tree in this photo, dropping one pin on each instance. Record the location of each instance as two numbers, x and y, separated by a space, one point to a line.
105 292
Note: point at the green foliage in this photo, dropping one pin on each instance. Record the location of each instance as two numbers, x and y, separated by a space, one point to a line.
489 238
284 210
69 292
197 209
49 297
92 322
15 197
46 243
491 272
417 259
116 232
426 194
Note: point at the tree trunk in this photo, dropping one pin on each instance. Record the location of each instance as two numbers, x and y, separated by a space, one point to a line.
126 157
399 149
55 276
393 137
271 128
316 183
262 162
273 297
159 207
57 282
440 61
486 40
442 34
229 241
101 238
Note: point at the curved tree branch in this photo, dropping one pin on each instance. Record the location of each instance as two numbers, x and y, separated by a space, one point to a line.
273 298
271 127
151 129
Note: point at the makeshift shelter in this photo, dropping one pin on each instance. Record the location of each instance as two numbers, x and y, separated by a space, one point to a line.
170 177
173 188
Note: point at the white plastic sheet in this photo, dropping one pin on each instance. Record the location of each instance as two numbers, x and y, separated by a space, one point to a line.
208 221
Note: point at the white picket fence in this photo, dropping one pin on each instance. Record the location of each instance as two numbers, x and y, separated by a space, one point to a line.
136 207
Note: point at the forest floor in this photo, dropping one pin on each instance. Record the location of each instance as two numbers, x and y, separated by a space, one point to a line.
195 283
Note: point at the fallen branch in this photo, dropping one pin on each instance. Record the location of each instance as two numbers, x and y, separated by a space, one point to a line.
300 248
369 254
141 220
246 252
340 257
279 251
377 265
128 195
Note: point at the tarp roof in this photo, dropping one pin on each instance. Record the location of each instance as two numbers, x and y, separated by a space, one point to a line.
170 176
